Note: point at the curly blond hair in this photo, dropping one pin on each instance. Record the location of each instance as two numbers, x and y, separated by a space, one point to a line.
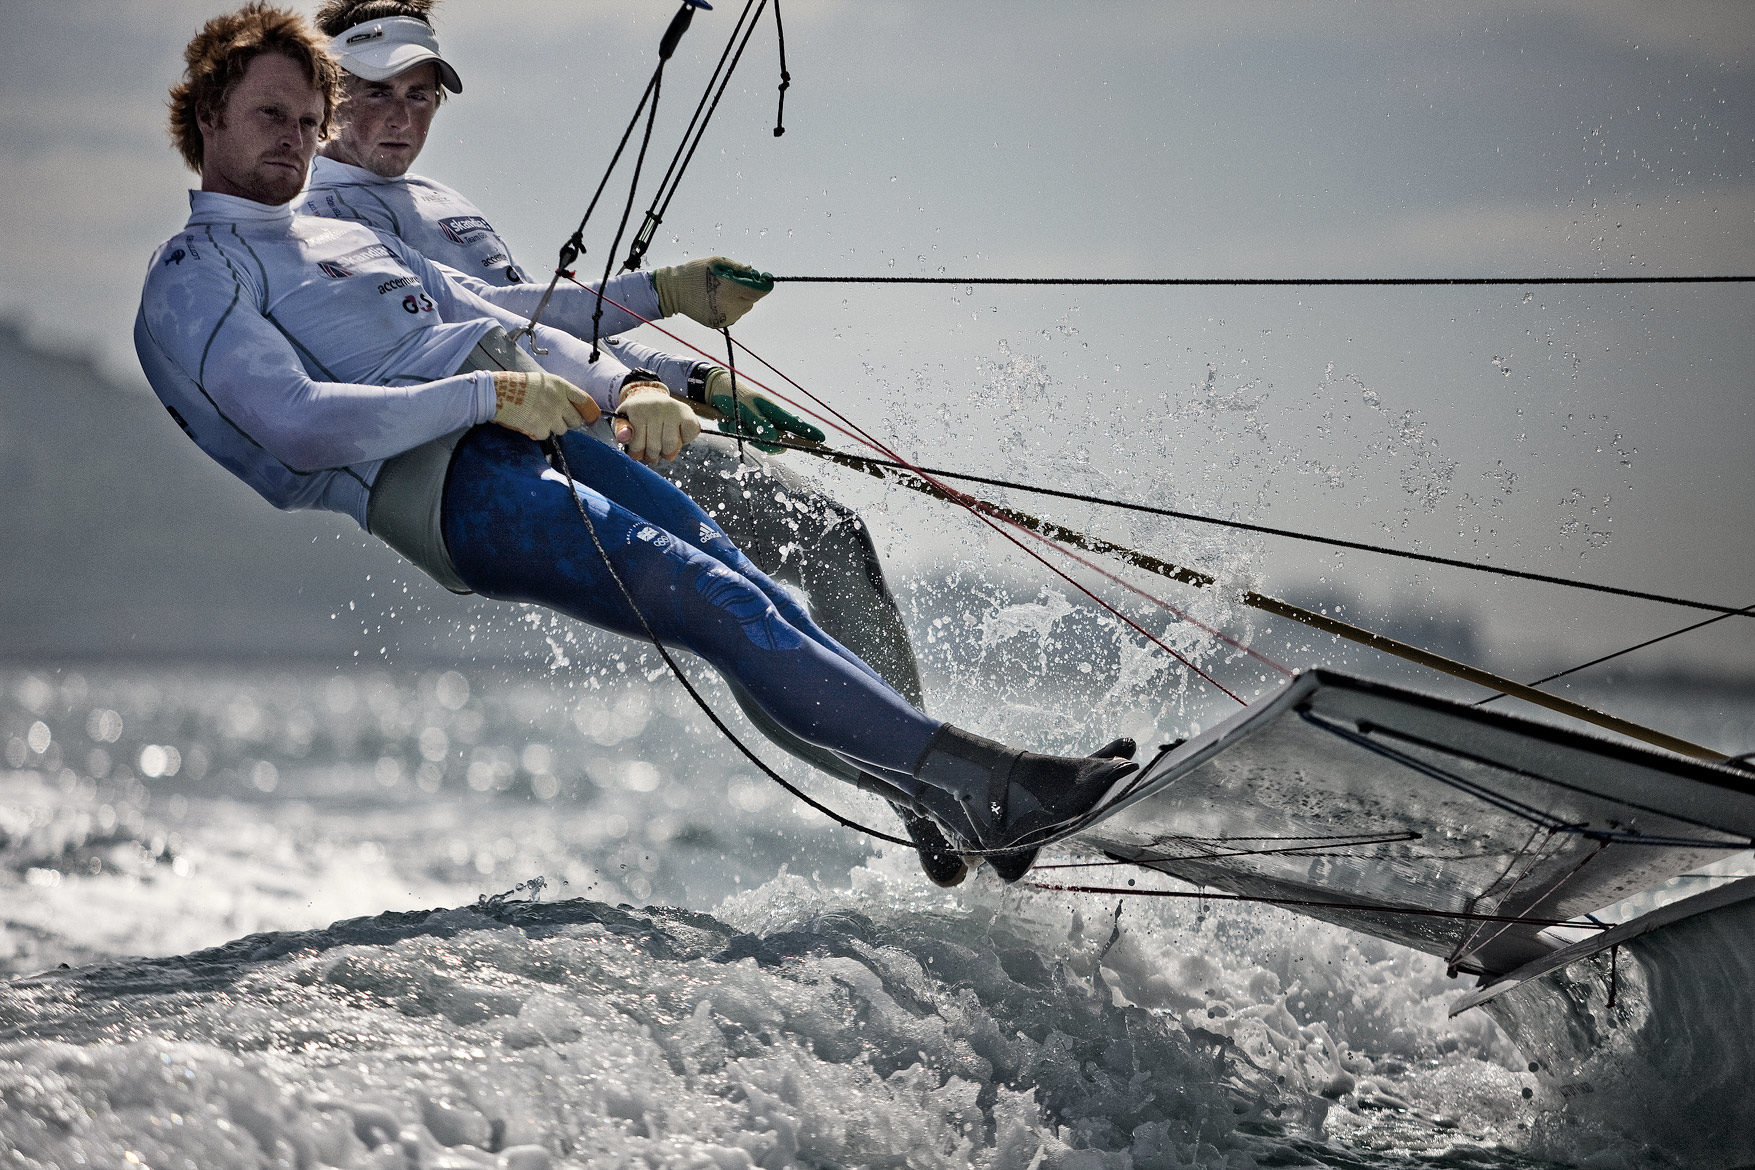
217 57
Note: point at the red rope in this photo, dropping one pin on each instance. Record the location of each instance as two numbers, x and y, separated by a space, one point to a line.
983 511
977 504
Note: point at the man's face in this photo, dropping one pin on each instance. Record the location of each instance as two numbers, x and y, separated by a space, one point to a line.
261 144
386 122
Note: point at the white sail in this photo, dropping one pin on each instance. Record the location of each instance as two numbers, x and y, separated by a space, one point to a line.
1454 830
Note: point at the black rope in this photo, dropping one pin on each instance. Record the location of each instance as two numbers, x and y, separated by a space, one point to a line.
559 456
628 209
785 77
1745 611
1265 530
736 398
1265 281
695 132
574 247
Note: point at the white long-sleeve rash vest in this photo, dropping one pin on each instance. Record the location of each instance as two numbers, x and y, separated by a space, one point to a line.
301 352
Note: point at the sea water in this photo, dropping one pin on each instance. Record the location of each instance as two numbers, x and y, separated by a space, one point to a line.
430 918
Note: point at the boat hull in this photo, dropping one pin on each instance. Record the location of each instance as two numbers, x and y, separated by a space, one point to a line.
1646 1034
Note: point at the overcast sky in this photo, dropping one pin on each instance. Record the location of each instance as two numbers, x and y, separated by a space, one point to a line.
1601 433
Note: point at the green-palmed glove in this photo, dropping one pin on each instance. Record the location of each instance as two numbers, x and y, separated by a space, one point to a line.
540 405
753 414
715 291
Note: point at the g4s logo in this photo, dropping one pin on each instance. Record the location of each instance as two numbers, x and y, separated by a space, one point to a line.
418 303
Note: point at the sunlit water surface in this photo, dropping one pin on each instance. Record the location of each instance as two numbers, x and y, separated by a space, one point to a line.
398 919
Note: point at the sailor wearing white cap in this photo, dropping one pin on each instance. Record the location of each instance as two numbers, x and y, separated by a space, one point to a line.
789 527
378 50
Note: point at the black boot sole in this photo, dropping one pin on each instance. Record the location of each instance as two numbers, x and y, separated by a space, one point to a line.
942 865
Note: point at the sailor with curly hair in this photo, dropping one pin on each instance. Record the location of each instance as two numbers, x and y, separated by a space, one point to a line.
331 366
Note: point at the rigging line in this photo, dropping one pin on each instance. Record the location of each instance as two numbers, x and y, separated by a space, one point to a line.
686 148
627 209
1745 611
986 513
976 504
840 422
553 448
1263 281
846 426
1290 534
1506 804
785 77
736 403
1496 765
1205 853
574 246
1323 622
968 503
1430 854
1518 808
1463 952
1318 904
1335 839
1335 627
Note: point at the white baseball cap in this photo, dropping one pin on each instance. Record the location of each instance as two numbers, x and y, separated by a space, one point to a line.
380 49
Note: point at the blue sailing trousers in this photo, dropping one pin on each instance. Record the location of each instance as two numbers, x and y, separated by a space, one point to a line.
512 526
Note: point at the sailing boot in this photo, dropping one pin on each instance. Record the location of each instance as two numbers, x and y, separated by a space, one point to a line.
939 859
998 800
944 866
1015 864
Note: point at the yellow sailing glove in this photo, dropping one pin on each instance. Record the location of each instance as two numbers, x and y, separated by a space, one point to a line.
715 291
653 425
750 412
541 405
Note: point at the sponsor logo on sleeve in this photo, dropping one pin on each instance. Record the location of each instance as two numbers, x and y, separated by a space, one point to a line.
465 229
343 267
